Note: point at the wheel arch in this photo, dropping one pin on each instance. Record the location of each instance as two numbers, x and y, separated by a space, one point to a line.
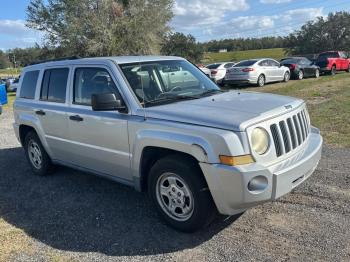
152 145
150 155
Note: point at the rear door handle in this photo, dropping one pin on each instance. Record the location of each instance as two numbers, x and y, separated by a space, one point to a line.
76 118
40 112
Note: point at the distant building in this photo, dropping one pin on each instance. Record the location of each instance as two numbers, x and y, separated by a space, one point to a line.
222 50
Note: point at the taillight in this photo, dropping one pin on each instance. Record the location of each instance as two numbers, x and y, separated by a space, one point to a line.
292 66
249 69
214 72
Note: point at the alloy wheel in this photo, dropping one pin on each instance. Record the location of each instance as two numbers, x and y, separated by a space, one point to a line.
174 196
35 154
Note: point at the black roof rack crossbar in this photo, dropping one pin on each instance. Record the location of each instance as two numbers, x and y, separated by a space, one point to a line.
54 60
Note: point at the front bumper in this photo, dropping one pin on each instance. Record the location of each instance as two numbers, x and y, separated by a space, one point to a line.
229 184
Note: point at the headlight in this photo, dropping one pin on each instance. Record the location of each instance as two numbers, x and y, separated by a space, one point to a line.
260 140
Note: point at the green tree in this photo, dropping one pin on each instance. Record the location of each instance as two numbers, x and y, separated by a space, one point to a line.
4 62
101 27
331 33
179 44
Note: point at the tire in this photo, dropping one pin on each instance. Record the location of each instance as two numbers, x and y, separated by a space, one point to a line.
36 155
317 73
185 203
333 70
300 75
261 80
348 70
286 77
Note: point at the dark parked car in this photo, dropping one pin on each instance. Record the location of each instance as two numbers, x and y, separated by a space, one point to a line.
301 67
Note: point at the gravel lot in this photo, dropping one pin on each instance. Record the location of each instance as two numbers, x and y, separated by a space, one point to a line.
74 216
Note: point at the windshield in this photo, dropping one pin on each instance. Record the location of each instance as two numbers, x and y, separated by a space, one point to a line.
246 63
161 82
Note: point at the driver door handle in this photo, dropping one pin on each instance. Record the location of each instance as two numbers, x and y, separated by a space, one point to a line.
76 118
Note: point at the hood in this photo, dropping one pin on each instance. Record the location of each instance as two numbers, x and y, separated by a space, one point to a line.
231 110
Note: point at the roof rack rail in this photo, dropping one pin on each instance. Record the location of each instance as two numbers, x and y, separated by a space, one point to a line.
54 60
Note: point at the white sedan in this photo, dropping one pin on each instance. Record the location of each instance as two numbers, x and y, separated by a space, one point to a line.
257 72
218 70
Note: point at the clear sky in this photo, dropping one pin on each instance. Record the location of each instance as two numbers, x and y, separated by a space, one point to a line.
205 19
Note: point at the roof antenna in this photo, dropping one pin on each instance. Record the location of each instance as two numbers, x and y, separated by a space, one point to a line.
143 91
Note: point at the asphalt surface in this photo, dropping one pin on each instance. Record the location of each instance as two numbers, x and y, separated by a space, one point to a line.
75 216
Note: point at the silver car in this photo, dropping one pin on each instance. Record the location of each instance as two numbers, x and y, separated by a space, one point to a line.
257 72
160 125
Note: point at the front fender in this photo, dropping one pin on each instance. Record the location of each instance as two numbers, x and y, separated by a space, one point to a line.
195 146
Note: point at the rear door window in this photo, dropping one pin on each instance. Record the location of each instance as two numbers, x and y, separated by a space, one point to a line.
273 63
54 85
264 63
29 82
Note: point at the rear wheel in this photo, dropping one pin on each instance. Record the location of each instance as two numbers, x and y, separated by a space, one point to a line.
286 77
36 155
300 75
261 81
317 73
179 191
333 70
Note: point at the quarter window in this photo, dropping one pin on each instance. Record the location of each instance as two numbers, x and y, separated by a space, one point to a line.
29 82
54 85
89 81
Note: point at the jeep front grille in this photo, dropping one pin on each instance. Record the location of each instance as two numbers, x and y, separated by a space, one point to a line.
290 133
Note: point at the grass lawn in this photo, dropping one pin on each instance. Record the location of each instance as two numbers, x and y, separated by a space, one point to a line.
276 53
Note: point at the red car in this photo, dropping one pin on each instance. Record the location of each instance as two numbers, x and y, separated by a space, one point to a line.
333 61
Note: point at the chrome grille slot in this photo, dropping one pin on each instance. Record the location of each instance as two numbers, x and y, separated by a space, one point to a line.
301 127
297 128
290 133
285 136
276 139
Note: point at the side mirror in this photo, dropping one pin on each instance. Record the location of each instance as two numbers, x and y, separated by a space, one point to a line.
107 102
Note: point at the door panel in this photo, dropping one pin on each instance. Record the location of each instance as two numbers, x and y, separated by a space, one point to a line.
98 140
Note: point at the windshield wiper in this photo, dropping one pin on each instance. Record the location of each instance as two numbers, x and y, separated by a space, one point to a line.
211 92
170 98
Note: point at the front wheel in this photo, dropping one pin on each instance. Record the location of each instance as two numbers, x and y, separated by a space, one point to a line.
179 191
286 77
300 75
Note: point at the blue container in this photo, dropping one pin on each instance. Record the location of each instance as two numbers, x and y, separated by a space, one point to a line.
3 95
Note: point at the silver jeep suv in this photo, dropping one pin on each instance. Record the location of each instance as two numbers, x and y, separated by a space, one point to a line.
161 125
